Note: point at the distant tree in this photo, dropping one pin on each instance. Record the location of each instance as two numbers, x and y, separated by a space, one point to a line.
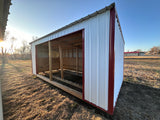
24 50
12 47
159 50
154 50
139 50
12 41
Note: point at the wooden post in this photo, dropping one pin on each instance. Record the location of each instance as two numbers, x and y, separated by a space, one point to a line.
77 60
61 60
50 60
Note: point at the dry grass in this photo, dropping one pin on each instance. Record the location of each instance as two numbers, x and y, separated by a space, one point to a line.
26 98
146 72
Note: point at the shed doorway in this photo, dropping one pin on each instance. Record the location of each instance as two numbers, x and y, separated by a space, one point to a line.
61 60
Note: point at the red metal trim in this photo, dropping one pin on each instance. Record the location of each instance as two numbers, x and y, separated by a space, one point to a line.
111 62
83 52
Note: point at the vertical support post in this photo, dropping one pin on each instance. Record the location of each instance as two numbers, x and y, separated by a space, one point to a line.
77 60
50 59
36 52
72 52
83 64
61 60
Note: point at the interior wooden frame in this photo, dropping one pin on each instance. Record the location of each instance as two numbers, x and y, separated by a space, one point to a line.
63 54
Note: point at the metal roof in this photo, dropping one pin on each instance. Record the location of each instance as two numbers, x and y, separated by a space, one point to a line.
83 19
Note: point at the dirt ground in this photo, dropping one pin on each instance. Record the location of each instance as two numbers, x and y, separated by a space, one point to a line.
28 98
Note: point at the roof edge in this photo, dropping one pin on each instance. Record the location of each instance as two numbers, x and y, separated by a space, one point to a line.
79 20
119 25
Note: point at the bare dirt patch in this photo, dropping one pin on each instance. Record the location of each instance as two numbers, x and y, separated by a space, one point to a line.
26 98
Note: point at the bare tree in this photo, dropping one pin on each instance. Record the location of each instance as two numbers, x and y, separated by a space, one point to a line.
139 50
12 47
24 50
154 51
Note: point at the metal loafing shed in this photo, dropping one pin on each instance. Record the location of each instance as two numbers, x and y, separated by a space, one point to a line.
84 58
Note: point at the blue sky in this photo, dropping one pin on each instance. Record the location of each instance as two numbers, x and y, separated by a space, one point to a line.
140 19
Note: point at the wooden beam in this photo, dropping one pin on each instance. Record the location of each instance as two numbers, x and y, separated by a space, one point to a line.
77 60
72 72
50 59
63 87
53 71
68 82
61 61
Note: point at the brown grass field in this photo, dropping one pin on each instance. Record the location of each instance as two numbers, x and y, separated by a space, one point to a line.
146 72
28 98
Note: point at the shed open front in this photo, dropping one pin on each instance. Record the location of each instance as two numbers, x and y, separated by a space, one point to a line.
61 60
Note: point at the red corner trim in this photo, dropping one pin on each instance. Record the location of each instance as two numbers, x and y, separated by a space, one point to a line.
111 61
83 82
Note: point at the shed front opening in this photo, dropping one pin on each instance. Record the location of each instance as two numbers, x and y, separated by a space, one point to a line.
61 60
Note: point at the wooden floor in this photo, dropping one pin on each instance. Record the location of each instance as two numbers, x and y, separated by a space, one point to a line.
61 86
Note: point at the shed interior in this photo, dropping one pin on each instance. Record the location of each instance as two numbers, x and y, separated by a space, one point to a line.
61 60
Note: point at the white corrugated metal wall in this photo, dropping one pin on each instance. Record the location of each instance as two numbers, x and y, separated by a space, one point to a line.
119 61
96 60
96 56
33 59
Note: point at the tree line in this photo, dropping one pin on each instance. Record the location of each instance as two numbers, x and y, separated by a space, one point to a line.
155 50
23 52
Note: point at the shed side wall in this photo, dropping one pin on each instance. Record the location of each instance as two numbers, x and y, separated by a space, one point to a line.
33 58
119 61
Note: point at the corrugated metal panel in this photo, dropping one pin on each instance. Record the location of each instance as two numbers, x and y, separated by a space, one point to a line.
119 61
96 60
33 59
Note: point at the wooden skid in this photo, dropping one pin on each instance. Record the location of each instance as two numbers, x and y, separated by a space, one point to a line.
63 87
